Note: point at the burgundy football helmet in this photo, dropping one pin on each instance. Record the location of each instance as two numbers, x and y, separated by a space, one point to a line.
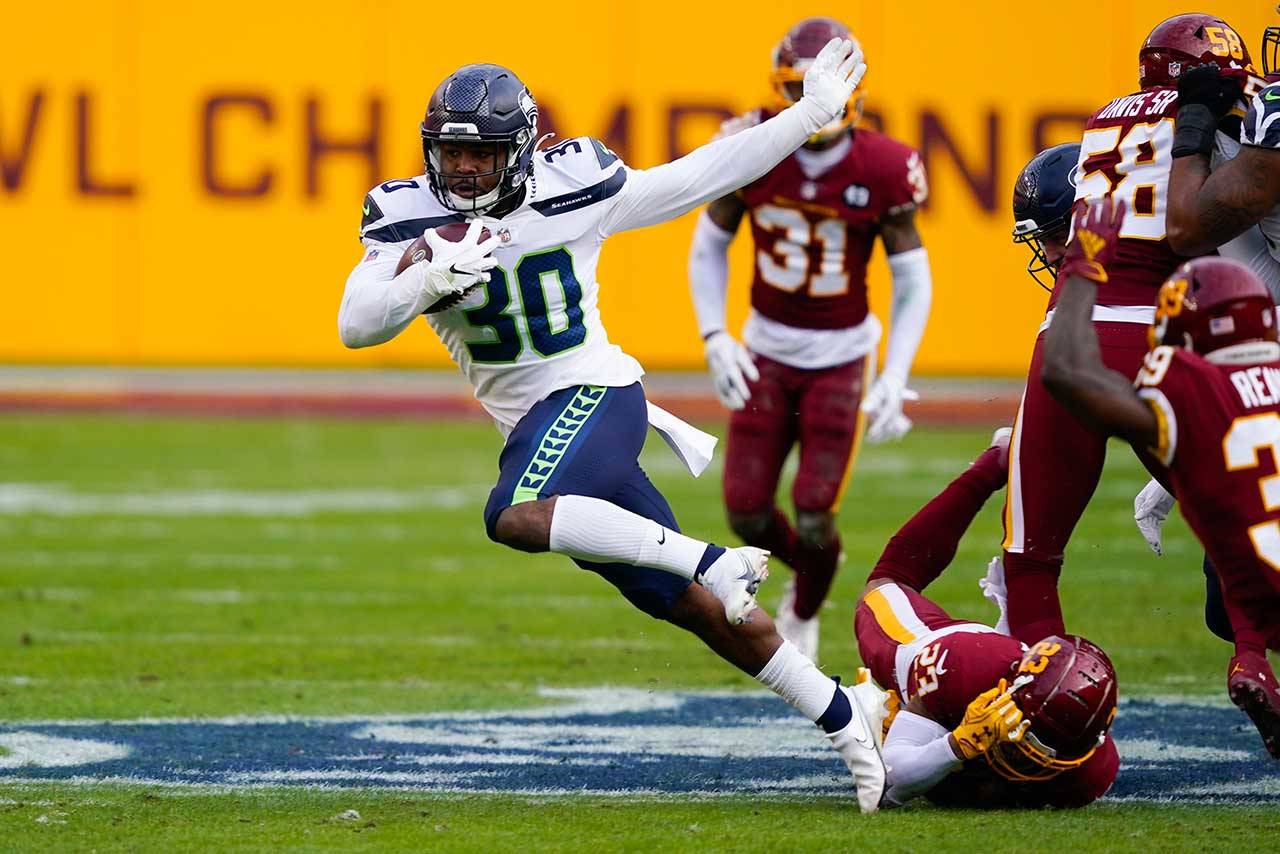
1066 689
792 58
1185 41
1210 303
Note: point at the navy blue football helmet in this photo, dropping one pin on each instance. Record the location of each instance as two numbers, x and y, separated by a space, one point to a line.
482 104
1042 199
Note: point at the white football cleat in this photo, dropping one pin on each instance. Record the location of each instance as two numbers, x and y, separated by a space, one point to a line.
859 746
803 634
734 579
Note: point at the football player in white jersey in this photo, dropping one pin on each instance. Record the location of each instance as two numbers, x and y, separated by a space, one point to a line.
527 333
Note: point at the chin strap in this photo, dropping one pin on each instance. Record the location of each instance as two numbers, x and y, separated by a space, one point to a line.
1248 353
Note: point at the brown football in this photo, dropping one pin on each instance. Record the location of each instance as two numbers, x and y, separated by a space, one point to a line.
419 250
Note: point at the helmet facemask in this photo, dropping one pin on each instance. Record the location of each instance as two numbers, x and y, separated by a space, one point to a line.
1271 50
1030 760
507 169
1032 235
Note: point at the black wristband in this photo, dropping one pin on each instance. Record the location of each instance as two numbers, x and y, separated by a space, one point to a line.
1193 130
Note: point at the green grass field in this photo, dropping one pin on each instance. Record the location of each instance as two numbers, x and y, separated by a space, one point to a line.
159 568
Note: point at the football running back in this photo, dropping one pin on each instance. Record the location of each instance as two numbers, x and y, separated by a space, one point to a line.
528 336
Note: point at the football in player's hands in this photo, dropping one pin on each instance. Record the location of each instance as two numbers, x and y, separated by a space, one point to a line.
420 250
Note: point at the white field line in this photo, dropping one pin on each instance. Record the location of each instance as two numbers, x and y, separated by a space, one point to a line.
60 500
203 561
600 700
229 638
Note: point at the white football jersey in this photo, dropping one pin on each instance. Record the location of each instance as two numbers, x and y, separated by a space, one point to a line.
535 326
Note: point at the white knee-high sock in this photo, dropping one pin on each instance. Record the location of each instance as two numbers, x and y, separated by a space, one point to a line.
595 530
794 678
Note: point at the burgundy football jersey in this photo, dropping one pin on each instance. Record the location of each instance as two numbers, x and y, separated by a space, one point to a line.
813 237
1126 153
1220 441
949 673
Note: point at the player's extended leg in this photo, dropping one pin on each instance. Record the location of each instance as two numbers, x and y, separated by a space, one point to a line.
924 547
760 437
1054 466
848 715
1215 610
1252 603
830 430
565 459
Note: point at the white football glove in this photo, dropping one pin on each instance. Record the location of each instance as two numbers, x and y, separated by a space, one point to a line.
731 366
883 405
1150 508
829 83
454 267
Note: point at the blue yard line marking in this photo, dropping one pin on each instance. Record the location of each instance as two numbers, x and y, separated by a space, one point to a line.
603 741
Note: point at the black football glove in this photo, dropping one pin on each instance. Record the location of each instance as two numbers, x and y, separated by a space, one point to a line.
1205 84
1205 95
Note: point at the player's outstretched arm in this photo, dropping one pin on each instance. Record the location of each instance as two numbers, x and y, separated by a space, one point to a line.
730 364
1208 208
912 299
1073 370
716 169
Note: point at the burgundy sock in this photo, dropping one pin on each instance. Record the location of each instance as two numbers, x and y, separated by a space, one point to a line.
1034 609
815 568
924 547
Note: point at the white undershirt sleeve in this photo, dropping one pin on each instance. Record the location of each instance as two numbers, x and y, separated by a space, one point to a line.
912 297
377 304
918 755
709 273
651 196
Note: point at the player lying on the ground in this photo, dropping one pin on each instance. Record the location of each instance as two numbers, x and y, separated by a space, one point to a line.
1056 463
1207 406
986 723
810 339
518 312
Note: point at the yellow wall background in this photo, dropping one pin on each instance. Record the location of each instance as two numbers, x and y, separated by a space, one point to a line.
114 250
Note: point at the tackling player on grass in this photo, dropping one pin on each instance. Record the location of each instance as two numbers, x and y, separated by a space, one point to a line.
985 722
1206 406
529 338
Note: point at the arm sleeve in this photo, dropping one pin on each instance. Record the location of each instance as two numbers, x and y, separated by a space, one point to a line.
918 755
377 304
709 274
912 297
716 169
